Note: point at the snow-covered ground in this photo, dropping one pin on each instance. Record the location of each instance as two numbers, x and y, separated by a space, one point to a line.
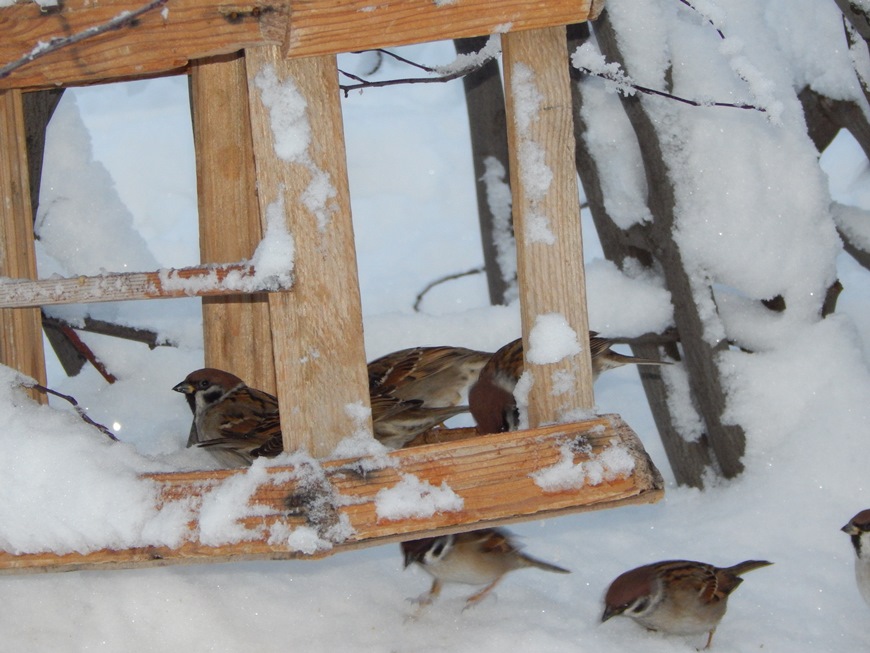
753 215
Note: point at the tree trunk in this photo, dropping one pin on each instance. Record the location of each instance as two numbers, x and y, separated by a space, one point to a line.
727 441
484 99
688 459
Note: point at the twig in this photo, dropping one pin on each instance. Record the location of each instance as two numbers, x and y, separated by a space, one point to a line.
449 277
620 81
55 43
709 20
456 74
347 88
623 82
406 61
79 409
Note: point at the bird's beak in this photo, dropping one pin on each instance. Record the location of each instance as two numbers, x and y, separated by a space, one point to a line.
184 387
609 612
849 529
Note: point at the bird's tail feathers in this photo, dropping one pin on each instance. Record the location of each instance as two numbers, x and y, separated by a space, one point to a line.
622 359
546 566
747 565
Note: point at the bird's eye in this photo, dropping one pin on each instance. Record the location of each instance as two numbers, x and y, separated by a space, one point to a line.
204 384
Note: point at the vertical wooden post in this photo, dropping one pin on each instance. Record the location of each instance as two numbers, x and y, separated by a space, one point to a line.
546 211
236 331
20 329
320 363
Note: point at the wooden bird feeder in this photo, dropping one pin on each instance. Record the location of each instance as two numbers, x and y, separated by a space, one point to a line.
224 47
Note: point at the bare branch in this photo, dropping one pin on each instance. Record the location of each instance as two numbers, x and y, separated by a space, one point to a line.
449 277
362 83
79 409
857 16
447 77
123 19
693 8
624 83
403 60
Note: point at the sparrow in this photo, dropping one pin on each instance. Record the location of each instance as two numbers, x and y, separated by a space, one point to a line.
859 529
491 398
480 557
233 422
396 422
413 390
677 597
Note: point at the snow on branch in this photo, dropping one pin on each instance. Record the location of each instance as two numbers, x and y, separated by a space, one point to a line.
710 13
588 61
123 19
31 383
463 65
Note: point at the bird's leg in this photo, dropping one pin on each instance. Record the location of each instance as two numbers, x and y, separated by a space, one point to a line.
476 598
709 639
426 599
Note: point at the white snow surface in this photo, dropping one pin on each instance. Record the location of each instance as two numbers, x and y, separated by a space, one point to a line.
753 218
413 497
552 339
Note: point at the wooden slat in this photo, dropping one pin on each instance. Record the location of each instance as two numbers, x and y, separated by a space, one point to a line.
317 335
323 26
162 40
237 335
21 330
491 474
547 213
200 281
166 39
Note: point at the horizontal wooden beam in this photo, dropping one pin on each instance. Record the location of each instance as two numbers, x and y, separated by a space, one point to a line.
168 37
199 281
160 41
333 26
493 477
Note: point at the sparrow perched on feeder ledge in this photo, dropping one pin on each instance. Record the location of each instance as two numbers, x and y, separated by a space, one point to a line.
859 529
677 597
480 557
491 398
413 390
233 422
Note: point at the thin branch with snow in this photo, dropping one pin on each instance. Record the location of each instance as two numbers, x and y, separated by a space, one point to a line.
123 19
708 19
589 62
75 404
363 83
463 65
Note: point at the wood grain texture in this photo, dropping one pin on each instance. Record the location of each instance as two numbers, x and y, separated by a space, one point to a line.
490 473
546 213
323 26
199 281
163 41
237 334
317 334
20 330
